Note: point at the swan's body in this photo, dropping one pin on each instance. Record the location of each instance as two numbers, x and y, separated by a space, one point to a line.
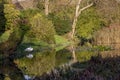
29 49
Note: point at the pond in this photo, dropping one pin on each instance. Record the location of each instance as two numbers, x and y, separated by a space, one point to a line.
43 60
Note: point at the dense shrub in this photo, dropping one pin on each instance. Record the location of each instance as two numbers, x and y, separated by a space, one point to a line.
62 20
41 28
11 15
88 23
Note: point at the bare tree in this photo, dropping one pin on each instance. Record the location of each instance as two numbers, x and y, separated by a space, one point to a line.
77 14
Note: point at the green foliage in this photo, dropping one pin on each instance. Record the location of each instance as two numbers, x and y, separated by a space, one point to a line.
7 1
62 21
10 18
83 56
11 14
41 28
88 23
29 13
4 37
102 48
14 33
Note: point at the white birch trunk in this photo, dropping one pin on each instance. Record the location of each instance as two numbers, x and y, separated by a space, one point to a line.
77 14
46 7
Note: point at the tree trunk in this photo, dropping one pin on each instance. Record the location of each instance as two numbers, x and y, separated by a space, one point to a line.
46 7
77 13
74 59
73 30
75 19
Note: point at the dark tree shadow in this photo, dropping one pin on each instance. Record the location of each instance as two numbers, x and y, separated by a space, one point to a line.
9 69
2 18
97 68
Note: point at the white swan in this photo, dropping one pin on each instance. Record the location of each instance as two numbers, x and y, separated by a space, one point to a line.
27 77
29 49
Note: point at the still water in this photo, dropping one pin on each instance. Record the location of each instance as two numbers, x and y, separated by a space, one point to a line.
43 60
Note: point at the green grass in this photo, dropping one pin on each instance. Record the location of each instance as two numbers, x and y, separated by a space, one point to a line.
60 39
61 42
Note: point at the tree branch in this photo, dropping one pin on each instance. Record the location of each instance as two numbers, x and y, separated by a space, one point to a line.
84 8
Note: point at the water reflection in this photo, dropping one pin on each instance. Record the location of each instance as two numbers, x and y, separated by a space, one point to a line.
43 61
63 56
15 69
